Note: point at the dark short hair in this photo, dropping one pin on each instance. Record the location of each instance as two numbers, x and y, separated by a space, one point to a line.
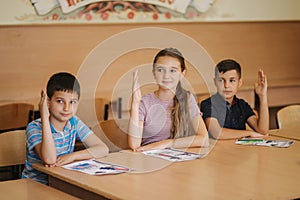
227 65
63 81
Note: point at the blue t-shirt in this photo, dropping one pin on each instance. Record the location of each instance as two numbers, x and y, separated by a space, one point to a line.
64 144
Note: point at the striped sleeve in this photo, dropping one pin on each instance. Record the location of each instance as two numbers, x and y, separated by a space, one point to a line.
33 134
82 130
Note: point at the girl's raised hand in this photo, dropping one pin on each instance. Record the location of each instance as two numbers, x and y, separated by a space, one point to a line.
136 91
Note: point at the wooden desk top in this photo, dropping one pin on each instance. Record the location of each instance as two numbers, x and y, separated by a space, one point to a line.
288 133
31 190
229 171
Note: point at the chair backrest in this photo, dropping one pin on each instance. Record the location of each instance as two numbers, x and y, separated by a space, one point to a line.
288 116
14 116
13 148
113 133
202 97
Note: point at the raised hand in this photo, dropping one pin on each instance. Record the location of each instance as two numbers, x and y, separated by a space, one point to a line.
136 91
262 85
43 105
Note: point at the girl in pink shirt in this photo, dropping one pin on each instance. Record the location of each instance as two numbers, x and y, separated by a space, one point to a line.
170 116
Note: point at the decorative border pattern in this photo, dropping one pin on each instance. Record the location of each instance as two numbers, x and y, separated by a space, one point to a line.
118 11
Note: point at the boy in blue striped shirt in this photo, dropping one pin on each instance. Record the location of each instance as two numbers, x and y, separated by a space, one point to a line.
51 138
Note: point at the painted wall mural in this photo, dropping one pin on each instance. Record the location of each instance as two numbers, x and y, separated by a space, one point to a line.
73 11
16 12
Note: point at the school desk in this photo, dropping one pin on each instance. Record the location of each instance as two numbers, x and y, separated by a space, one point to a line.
229 171
31 190
292 132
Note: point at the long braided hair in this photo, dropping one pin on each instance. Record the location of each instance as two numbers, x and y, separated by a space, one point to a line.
180 115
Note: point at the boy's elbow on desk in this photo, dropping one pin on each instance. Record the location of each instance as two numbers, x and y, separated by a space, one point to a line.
49 161
263 132
262 129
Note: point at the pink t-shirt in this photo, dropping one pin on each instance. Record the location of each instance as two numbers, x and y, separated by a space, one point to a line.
155 114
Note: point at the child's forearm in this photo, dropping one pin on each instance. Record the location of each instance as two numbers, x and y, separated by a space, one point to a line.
95 149
47 150
219 132
92 152
191 141
134 130
263 120
226 134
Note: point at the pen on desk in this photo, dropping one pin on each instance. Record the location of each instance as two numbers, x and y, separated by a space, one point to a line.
251 139
113 168
108 168
166 155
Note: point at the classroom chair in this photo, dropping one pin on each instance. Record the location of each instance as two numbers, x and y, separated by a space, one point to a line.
14 116
113 133
13 152
202 97
288 116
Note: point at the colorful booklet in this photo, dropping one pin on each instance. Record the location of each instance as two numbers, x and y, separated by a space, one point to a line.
94 167
173 155
263 142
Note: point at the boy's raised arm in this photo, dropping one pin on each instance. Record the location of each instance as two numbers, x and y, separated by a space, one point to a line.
261 124
46 149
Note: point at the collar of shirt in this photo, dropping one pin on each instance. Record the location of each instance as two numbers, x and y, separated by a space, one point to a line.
68 126
221 100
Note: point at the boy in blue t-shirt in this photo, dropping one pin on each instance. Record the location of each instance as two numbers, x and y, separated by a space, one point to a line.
225 115
51 138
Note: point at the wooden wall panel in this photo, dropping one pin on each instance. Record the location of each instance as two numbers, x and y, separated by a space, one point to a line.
29 55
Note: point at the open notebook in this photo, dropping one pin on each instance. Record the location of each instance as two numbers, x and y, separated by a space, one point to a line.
173 155
263 142
94 167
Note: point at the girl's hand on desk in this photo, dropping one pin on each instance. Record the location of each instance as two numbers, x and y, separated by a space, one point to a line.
156 145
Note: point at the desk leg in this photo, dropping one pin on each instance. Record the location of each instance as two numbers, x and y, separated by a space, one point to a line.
73 190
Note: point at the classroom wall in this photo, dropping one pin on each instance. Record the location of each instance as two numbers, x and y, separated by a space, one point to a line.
30 54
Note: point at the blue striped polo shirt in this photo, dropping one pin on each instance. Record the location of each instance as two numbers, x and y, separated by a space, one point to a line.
64 144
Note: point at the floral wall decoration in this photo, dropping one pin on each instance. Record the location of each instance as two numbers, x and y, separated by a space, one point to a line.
17 12
118 11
